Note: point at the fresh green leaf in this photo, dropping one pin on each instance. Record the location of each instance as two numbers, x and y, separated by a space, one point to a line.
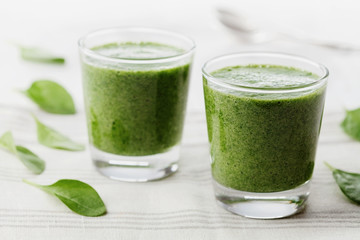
51 97
80 197
7 142
28 158
35 54
53 139
349 183
351 124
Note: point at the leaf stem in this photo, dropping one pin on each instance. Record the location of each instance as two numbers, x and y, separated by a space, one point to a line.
30 183
329 166
13 43
34 117
19 91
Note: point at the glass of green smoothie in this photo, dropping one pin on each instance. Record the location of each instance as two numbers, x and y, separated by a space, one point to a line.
135 83
264 113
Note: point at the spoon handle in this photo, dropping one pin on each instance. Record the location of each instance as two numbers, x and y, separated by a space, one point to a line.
321 43
245 31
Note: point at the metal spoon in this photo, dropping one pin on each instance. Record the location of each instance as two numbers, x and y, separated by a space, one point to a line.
248 32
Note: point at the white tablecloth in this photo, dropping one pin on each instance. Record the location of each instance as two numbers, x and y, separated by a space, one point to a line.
179 207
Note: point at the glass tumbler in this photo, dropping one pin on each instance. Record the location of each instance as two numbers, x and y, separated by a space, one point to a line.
135 83
264 113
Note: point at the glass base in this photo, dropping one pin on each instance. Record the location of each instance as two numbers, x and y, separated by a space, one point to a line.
262 205
136 168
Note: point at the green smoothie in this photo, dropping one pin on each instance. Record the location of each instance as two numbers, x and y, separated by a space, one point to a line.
135 111
263 142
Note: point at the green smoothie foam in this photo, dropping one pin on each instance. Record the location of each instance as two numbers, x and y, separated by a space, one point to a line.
263 142
135 111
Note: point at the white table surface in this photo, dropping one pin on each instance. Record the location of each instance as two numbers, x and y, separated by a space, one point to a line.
182 206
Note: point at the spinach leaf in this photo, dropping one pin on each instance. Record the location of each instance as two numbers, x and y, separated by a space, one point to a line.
51 138
351 124
7 142
80 197
35 54
51 97
349 183
28 158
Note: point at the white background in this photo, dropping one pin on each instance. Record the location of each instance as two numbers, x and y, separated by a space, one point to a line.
58 24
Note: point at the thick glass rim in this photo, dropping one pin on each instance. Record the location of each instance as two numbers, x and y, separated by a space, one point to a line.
222 82
92 53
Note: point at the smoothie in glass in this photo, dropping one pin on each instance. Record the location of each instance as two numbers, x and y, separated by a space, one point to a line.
135 83
263 123
135 112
